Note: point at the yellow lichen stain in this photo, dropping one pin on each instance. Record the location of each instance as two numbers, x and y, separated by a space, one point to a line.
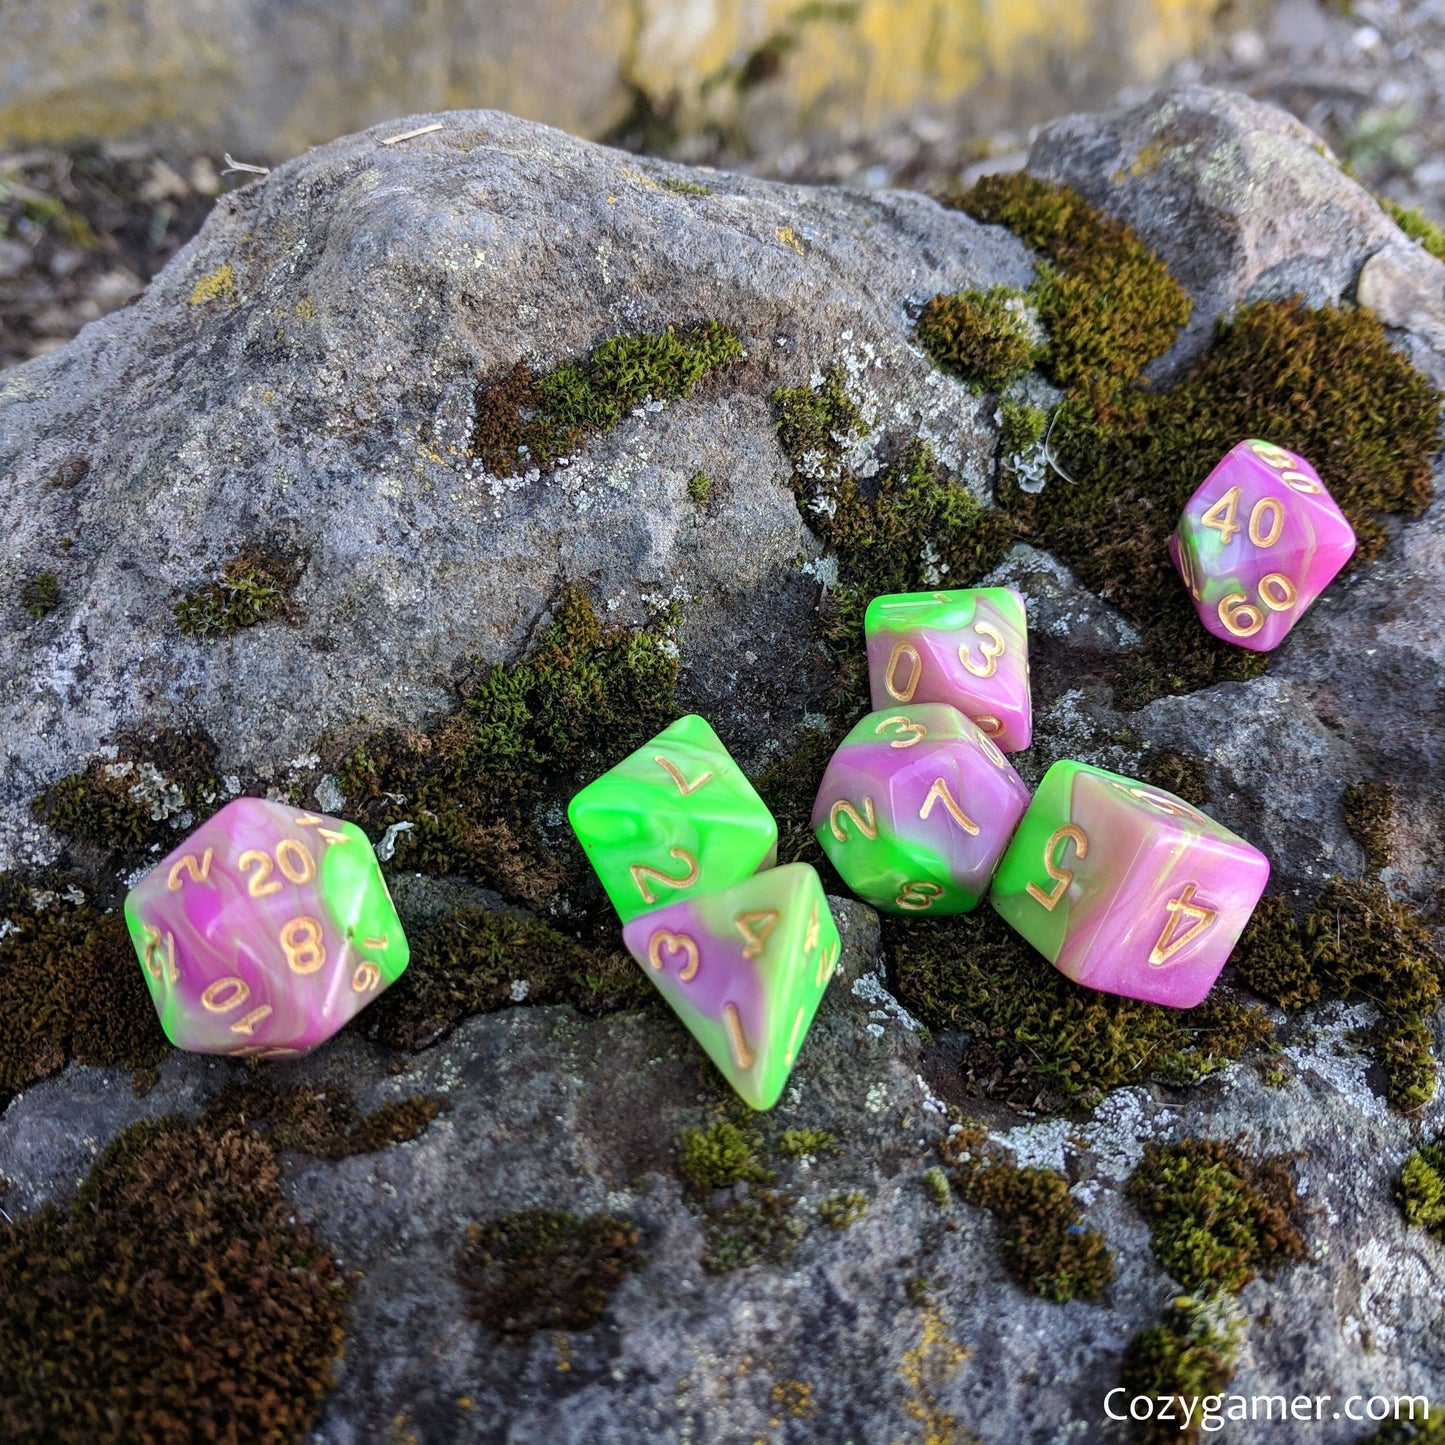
305 310
796 1397
1149 158
268 396
611 200
924 1369
465 1402
642 180
217 285
562 1349
789 237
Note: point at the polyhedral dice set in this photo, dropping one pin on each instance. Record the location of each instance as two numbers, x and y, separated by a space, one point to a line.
270 927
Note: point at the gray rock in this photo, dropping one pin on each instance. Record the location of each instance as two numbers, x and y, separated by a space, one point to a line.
554 1111
323 398
1242 201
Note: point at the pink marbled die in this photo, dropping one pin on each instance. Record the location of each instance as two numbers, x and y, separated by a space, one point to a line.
1257 544
265 931
1126 888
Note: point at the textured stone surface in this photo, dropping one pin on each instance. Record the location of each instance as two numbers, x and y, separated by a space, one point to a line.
320 400
317 398
549 1110
1240 199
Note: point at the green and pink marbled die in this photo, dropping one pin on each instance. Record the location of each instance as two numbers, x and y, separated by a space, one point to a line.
744 968
1126 888
969 649
265 931
915 809
1258 542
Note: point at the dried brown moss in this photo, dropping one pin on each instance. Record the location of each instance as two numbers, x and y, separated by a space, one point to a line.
253 587
322 1122
1369 808
545 1269
1037 1039
1354 942
471 961
70 988
176 1300
130 804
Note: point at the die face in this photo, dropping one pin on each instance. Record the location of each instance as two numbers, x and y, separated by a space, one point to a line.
1257 544
744 968
1126 888
265 931
915 809
966 648
674 819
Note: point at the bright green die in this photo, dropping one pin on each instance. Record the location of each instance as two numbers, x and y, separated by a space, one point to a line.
674 819
745 968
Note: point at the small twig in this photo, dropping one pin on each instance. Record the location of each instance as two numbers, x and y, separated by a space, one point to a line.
392 140
1048 455
233 165
6 1217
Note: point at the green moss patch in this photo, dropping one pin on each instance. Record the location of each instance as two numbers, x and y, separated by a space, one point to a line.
70 989
1417 226
985 338
1039 1040
1189 1355
1046 1246
1020 427
1216 1216
252 588
545 1269
841 1211
40 595
730 1167
132 803
1354 942
175 1300
1325 383
526 418
721 1155
1420 1187
478 960
699 488
322 1122
583 698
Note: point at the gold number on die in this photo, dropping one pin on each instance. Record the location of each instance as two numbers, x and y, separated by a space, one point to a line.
919 896
866 822
198 869
904 725
755 926
302 944
642 872
939 793
1062 877
674 943
915 672
992 649
1180 910
675 773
